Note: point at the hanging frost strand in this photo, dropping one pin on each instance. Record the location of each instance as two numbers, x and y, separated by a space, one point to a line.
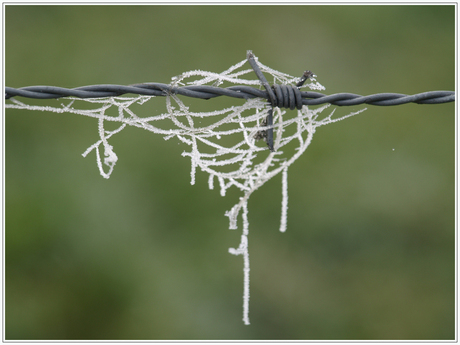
243 250
284 201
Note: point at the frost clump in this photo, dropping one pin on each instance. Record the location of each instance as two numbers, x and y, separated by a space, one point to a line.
242 161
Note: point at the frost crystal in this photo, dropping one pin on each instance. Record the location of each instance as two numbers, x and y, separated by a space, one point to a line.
226 148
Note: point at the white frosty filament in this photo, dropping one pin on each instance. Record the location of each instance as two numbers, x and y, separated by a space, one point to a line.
243 250
284 201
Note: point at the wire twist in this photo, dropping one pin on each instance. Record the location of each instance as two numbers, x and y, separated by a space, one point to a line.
283 96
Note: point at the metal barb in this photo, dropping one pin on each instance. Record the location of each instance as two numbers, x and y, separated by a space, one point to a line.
307 74
271 96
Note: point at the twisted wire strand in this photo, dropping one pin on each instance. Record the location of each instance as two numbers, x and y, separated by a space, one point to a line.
283 96
238 91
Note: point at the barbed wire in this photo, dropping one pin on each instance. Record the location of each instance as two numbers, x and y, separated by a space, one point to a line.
292 95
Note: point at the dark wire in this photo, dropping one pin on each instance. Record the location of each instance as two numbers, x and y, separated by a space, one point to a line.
239 91
283 96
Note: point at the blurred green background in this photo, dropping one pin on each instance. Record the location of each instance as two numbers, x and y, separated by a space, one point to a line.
369 251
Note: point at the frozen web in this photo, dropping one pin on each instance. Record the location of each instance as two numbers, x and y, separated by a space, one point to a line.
223 143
